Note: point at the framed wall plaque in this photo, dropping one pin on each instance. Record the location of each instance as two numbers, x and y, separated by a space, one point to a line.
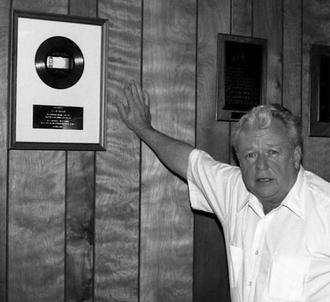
320 90
57 82
241 75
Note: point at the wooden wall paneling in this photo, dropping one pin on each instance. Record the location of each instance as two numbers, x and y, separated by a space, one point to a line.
169 52
79 253
36 226
84 8
36 212
117 169
241 23
46 6
292 55
4 30
316 24
210 264
267 24
79 257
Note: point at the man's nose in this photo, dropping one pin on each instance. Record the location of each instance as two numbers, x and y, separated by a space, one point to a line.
262 162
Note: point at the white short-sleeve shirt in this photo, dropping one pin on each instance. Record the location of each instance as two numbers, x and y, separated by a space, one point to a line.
283 256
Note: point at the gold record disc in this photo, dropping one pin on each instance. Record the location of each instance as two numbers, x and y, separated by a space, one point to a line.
59 62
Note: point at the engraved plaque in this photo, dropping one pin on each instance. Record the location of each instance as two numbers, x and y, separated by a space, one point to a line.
243 69
324 102
57 117
320 90
241 73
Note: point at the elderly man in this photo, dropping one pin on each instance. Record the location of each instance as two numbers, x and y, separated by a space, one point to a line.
275 214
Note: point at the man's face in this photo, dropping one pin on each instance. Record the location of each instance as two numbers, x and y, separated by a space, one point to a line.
268 161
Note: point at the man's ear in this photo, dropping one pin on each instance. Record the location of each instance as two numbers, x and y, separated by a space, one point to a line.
297 156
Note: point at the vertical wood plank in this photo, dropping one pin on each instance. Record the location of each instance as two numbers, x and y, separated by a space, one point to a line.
45 6
211 135
4 30
267 24
79 226
166 219
210 264
241 17
241 24
36 226
316 24
36 212
117 169
292 55
79 257
85 8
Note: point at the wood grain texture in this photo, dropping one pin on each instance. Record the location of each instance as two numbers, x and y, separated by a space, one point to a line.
4 29
210 265
211 135
166 220
46 6
36 226
317 156
84 8
117 169
267 24
79 226
36 211
316 25
292 55
79 257
241 23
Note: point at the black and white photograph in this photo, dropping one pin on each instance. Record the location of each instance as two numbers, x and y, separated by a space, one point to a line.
165 151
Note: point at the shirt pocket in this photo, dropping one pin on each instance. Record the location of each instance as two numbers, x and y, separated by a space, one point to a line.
236 264
287 277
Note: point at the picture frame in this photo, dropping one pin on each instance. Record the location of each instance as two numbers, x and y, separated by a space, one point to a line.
319 120
57 82
241 75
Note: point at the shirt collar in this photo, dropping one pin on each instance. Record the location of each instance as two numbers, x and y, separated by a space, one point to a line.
294 200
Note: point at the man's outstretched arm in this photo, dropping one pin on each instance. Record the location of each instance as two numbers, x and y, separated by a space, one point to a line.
136 115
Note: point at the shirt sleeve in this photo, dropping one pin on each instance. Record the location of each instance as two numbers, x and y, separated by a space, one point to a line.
213 186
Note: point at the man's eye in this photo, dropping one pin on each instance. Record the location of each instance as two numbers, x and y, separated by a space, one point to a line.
251 155
273 152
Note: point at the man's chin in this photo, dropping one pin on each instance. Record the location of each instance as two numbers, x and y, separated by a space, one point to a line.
265 194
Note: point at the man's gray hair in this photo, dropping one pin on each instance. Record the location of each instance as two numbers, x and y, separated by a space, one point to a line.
262 116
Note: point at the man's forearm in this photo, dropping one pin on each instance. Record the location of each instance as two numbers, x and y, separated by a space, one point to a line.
173 153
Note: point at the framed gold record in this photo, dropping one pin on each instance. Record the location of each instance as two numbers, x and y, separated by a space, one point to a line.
57 82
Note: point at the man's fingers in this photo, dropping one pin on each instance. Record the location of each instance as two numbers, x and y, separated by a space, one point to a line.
128 94
137 90
137 93
134 107
122 109
135 98
146 98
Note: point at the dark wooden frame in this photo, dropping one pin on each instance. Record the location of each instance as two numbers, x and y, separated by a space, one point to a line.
234 114
317 126
40 145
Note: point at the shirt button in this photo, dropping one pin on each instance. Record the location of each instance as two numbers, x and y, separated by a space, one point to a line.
256 252
250 283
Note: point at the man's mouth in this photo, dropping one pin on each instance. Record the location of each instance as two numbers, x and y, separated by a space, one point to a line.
264 179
